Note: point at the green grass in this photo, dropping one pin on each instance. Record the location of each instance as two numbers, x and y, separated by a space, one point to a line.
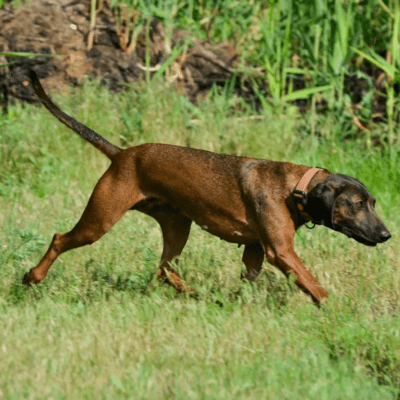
101 326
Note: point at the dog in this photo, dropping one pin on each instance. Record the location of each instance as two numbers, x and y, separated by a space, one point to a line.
252 202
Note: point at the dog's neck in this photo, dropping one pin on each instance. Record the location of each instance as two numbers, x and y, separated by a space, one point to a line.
310 211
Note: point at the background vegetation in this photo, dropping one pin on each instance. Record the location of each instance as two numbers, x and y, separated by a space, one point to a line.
101 324
339 56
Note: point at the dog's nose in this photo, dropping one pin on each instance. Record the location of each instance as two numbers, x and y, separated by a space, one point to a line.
385 235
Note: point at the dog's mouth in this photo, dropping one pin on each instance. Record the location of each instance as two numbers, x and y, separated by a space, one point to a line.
358 238
366 242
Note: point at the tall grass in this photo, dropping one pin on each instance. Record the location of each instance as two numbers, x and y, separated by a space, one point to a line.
307 51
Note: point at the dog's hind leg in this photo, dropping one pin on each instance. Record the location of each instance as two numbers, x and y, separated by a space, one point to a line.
253 257
175 230
111 198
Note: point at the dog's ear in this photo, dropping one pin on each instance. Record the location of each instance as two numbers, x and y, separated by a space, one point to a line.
321 200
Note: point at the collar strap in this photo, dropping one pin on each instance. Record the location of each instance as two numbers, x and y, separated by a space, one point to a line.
299 192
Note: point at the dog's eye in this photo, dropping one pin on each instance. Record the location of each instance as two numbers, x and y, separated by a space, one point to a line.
359 204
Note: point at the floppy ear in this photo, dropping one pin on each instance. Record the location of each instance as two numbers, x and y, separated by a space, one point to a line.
321 201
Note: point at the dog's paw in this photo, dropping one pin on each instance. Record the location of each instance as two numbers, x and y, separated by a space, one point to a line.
26 280
31 279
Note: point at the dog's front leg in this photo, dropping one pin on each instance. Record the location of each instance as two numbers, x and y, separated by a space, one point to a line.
288 262
277 239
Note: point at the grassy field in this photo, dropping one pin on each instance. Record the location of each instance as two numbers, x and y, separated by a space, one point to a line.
101 325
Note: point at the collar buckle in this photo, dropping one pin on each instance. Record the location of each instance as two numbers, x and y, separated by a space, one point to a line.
300 194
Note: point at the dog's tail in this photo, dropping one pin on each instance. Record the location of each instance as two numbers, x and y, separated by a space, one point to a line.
107 148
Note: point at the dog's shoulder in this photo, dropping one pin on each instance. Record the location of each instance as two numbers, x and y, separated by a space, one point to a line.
262 179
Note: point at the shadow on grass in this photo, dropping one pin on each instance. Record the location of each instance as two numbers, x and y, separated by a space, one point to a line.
100 282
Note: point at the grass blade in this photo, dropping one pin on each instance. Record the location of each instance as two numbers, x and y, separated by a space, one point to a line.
303 94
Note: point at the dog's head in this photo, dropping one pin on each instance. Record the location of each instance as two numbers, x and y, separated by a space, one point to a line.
345 205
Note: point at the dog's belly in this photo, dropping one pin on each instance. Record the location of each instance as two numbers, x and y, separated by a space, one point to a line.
233 231
237 236
230 224
225 226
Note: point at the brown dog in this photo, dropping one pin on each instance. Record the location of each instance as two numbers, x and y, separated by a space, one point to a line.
258 203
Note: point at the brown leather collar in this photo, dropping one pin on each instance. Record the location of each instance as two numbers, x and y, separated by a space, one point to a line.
300 196
299 192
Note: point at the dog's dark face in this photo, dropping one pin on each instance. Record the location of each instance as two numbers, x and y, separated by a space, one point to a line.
345 205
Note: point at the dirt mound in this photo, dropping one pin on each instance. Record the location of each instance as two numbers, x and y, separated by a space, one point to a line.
51 27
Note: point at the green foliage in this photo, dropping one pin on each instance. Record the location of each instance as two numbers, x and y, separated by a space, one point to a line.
308 51
101 325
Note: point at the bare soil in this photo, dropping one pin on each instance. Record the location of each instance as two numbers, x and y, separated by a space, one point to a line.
51 27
